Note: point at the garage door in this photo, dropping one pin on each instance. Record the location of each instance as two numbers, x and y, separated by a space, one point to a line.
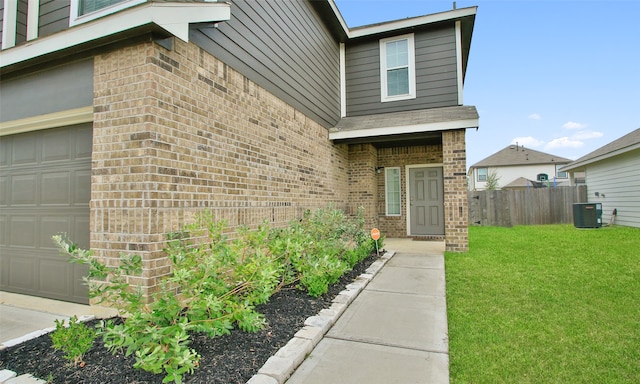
45 185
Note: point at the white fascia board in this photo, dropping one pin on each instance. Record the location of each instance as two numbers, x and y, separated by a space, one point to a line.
343 82
575 165
336 11
412 22
418 128
172 17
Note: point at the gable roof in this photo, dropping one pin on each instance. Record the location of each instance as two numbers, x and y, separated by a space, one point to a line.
518 155
626 143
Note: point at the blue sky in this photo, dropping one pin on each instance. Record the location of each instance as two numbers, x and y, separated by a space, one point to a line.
562 77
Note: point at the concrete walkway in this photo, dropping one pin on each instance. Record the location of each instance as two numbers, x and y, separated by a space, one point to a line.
395 331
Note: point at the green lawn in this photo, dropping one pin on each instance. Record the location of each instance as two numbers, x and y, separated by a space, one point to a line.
545 304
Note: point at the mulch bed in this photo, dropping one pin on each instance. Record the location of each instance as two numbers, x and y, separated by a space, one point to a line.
228 359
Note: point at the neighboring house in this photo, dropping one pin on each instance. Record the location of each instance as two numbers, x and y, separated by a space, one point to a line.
121 119
517 167
612 174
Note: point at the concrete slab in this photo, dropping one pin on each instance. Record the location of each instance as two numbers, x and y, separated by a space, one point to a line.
416 260
418 281
17 322
338 361
395 319
413 246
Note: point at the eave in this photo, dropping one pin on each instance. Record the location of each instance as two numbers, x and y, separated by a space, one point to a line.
170 19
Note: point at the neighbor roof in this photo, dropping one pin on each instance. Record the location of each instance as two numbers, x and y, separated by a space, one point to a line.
626 143
519 155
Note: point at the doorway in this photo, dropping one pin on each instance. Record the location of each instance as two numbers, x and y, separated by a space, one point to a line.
426 201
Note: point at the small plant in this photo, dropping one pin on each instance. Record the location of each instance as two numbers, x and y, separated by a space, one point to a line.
492 181
74 340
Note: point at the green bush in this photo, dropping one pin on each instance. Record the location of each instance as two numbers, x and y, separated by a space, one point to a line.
216 283
74 340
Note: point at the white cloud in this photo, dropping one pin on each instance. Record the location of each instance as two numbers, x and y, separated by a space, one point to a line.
535 116
527 141
563 142
573 125
586 135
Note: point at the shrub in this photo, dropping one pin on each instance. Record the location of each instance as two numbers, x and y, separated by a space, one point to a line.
215 283
74 340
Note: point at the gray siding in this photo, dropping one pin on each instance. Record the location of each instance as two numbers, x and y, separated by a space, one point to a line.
21 24
58 89
54 16
436 74
618 178
284 47
1 20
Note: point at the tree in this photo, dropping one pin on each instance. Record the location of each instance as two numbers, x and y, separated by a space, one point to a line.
492 181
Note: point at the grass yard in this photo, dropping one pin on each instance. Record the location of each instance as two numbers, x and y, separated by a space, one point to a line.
545 304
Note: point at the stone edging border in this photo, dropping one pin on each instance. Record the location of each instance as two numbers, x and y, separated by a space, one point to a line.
279 367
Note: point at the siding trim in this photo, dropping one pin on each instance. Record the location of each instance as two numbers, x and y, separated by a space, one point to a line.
459 60
343 81
49 120
174 18
9 24
33 19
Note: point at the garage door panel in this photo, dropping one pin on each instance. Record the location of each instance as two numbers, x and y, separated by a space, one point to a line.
82 187
4 190
53 225
22 273
84 143
25 150
23 189
80 232
55 276
55 188
3 230
56 145
22 231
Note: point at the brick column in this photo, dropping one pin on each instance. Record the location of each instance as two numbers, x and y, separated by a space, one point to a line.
363 183
456 207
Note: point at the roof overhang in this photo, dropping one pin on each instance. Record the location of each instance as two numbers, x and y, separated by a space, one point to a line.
171 17
578 166
408 125
411 22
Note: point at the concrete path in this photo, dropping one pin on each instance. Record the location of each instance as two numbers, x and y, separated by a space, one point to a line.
395 331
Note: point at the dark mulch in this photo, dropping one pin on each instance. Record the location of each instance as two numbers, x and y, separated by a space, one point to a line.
225 360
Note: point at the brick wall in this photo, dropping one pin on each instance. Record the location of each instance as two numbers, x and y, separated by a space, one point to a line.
362 181
396 226
455 191
179 131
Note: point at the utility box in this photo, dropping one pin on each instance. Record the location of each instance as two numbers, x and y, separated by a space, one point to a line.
587 215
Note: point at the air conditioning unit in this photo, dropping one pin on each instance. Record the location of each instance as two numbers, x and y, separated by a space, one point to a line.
587 215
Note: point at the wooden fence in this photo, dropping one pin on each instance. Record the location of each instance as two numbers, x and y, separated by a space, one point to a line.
506 208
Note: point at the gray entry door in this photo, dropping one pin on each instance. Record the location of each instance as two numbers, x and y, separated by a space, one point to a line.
45 188
426 201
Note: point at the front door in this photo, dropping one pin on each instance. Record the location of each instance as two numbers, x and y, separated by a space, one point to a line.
426 201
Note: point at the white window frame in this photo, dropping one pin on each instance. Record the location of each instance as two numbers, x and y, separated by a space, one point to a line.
386 191
561 174
75 19
411 68
486 174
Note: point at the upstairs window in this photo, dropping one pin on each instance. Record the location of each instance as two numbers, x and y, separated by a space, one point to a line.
86 10
89 6
482 174
561 174
397 68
